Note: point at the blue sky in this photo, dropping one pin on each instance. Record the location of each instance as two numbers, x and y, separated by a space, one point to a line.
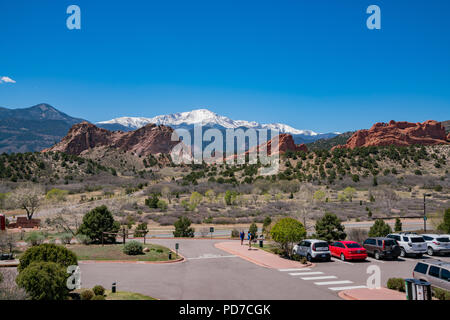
310 64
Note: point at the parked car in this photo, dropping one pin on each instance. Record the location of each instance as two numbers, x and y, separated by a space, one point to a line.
437 244
380 247
348 250
434 271
409 243
313 249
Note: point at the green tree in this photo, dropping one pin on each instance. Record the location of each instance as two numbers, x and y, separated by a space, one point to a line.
398 225
230 197
97 221
266 223
56 195
445 225
195 199
286 232
152 202
349 193
141 230
44 281
329 228
47 252
379 229
319 195
253 229
183 228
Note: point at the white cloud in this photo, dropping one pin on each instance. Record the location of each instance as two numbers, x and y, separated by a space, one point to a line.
6 80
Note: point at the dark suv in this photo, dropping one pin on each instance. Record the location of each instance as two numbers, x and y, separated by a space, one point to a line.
382 248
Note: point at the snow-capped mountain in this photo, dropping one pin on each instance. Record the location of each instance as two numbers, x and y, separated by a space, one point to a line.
199 116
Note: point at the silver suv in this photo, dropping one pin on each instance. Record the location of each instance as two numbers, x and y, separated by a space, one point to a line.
434 271
437 244
313 249
409 243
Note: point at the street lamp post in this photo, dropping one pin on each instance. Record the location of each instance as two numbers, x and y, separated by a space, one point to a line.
425 212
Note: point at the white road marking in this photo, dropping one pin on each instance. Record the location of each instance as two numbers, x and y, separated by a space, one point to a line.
207 256
328 283
305 273
339 260
319 278
374 260
346 288
294 269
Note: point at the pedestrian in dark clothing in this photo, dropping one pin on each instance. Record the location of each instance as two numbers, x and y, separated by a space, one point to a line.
242 235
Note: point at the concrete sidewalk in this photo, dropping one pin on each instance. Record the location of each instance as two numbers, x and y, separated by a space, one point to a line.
372 294
258 256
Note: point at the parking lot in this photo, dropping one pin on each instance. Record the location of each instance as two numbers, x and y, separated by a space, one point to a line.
210 273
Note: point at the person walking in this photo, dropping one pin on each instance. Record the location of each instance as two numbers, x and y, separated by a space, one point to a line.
251 236
242 235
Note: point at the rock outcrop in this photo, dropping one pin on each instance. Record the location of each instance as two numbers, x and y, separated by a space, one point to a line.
150 139
399 134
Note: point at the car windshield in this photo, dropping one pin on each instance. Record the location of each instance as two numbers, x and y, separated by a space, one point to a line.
443 239
352 245
417 239
321 245
389 242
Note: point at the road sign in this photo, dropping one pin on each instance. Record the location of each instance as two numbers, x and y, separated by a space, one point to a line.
211 229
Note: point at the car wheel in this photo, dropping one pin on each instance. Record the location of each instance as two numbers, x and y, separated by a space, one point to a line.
377 255
402 252
430 251
308 257
342 257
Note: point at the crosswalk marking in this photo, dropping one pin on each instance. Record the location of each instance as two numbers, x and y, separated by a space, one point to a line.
346 288
294 269
319 278
328 283
305 273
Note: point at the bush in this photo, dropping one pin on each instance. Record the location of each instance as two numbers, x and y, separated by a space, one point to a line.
86 294
183 229
44 281
329 228
133 248
47 253
286 232
441 294
98 290
445 225
379 229
98 297
34 238
81 238
253 229
235 233
97 221
152 202
56 195
396 284
141 230
66 238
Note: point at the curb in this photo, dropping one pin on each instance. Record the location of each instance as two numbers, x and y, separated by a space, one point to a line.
309 264
181 259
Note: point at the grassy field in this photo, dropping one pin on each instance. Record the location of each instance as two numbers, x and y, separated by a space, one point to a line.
115 252
123 295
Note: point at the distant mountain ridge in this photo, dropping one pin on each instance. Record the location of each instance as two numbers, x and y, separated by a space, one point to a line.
32 129
209 119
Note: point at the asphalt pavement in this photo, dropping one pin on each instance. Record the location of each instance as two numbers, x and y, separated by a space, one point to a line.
212 274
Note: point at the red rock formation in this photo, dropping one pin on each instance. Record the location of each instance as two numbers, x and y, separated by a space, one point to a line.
150 139
285 143
399 134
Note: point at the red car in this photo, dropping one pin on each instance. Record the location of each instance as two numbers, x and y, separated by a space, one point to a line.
348 250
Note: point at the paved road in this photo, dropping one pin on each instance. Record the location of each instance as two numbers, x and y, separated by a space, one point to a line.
210 273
